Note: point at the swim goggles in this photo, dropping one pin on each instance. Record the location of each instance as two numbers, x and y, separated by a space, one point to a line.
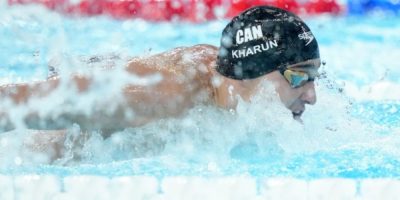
299 76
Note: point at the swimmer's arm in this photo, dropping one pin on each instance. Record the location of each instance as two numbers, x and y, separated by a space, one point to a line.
21 93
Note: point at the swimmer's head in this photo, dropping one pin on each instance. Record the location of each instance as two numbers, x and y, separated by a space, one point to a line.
267 43
264 39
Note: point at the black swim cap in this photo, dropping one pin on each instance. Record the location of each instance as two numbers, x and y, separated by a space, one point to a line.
263 39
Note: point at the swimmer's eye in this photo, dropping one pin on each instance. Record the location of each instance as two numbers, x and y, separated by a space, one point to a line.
300 75
297 78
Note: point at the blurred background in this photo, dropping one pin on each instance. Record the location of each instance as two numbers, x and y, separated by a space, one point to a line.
203 10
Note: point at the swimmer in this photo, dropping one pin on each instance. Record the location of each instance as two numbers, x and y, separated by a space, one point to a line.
261 44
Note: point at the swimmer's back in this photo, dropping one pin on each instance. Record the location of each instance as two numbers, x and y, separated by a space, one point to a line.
185 81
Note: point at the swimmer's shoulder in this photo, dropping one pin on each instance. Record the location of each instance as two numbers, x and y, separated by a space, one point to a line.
208 55
202 50
199 49
201 54
205 50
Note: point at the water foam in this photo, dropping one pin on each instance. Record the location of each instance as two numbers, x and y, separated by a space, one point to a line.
260 138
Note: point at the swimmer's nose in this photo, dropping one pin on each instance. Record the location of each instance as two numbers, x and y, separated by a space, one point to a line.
309 96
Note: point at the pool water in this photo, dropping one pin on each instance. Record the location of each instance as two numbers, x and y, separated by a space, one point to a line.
352 132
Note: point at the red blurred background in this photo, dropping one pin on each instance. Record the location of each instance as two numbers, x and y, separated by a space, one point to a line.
185 10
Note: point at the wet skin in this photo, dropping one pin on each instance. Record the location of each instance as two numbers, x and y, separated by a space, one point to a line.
188 78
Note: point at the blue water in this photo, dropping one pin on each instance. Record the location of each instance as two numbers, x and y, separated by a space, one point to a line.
353 131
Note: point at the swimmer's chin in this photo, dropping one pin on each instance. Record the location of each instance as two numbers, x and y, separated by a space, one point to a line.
297 116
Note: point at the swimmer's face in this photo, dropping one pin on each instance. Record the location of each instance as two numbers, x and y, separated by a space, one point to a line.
295 98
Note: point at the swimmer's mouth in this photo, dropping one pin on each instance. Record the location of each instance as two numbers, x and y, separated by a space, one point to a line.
297 115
